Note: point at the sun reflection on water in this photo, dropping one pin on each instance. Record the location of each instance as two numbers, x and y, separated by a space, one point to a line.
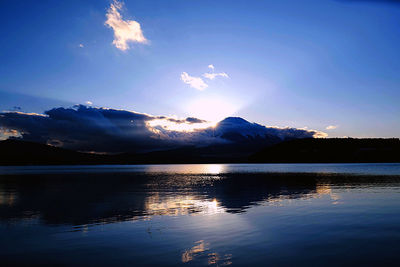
325 189
181 205
187 168
7 198
189 254
213 258
213 168
320 191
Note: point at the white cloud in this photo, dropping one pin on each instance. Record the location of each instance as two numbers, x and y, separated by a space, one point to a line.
331 127
319 134
7 133
81 45
89 103
198 82
124 30
178 125
212 76
194 82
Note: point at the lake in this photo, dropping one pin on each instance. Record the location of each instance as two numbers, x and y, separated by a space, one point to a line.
201 214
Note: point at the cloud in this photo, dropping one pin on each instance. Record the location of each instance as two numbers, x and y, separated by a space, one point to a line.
83 128
331 127
124 30
9 133
198 82
89 103
194 120
212 76
95 129
86 128
81 45
194 82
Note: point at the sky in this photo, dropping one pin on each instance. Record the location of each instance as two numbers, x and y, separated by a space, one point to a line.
327 65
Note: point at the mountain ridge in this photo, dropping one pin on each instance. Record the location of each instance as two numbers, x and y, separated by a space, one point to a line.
17 152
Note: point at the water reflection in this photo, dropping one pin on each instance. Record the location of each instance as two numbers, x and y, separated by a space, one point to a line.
190 254
81 199
327 168
7 198
157 204
325 189
212 218
186 168
201 249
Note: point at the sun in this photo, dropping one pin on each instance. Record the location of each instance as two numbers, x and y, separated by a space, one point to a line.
211 108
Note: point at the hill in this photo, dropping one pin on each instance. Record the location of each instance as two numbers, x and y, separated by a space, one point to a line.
331 150
309 150
16 152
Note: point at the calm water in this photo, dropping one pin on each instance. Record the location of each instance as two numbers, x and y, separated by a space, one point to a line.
218 215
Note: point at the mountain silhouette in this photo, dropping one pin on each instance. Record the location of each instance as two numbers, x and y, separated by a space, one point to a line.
17 152
236 129
332 150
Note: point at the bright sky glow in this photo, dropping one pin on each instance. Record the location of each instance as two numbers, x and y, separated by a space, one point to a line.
212 108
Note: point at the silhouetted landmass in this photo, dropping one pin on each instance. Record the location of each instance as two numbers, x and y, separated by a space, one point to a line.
331 150
16 152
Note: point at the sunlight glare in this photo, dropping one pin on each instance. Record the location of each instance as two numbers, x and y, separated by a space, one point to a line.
213 168
180 127
212 108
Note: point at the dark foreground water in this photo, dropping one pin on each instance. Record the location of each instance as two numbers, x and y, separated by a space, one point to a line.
229 214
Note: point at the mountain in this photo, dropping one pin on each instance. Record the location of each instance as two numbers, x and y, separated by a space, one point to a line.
331 150
237 129
240 139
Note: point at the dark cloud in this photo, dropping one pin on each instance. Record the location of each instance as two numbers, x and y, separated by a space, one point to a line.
85 128
187 120
194 120
110 130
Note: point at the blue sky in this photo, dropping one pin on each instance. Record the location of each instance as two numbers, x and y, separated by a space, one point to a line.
287 63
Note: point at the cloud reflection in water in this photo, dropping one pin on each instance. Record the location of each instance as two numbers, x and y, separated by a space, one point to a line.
202 249
87 198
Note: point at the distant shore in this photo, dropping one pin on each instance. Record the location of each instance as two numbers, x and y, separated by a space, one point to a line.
309 150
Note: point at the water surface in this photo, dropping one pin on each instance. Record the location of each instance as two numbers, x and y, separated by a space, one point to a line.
206 214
